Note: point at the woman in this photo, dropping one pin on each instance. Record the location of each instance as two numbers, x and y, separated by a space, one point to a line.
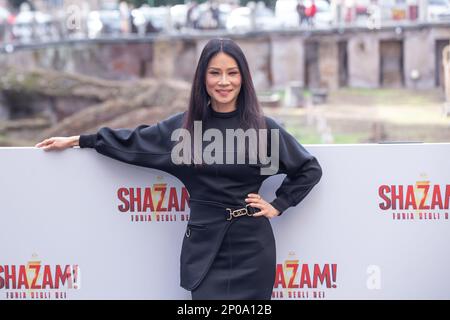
228 249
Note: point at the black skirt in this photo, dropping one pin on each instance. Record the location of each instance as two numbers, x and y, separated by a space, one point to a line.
244 266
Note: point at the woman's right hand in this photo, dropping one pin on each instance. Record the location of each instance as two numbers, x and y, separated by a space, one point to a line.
58 143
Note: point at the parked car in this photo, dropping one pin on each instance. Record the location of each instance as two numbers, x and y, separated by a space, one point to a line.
324 15
286 12
240 19
178 14
206 19
104 22
224 12
438 10
151 19
33 25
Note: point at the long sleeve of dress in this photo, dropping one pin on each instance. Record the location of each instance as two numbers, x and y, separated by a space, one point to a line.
148 146
302 170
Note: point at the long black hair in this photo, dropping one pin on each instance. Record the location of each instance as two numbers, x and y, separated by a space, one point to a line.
250 112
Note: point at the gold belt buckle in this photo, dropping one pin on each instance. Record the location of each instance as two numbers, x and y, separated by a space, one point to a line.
238 212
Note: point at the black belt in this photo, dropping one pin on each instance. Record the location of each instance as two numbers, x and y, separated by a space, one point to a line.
245 211
205 212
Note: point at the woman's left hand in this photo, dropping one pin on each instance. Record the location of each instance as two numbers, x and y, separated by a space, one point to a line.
267 210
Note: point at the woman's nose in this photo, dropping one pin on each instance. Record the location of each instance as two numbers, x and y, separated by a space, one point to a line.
224 79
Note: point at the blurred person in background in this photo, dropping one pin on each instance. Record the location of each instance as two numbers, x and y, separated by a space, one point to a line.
192 15
125 17
310 12
301 12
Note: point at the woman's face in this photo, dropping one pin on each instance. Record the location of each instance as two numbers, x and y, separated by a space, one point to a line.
223 82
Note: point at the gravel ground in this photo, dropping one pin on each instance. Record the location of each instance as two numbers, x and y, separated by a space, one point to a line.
365 116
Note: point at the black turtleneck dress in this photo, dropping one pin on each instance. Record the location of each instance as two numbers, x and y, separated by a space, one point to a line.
220 258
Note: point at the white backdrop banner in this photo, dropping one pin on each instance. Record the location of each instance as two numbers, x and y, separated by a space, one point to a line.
78 225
